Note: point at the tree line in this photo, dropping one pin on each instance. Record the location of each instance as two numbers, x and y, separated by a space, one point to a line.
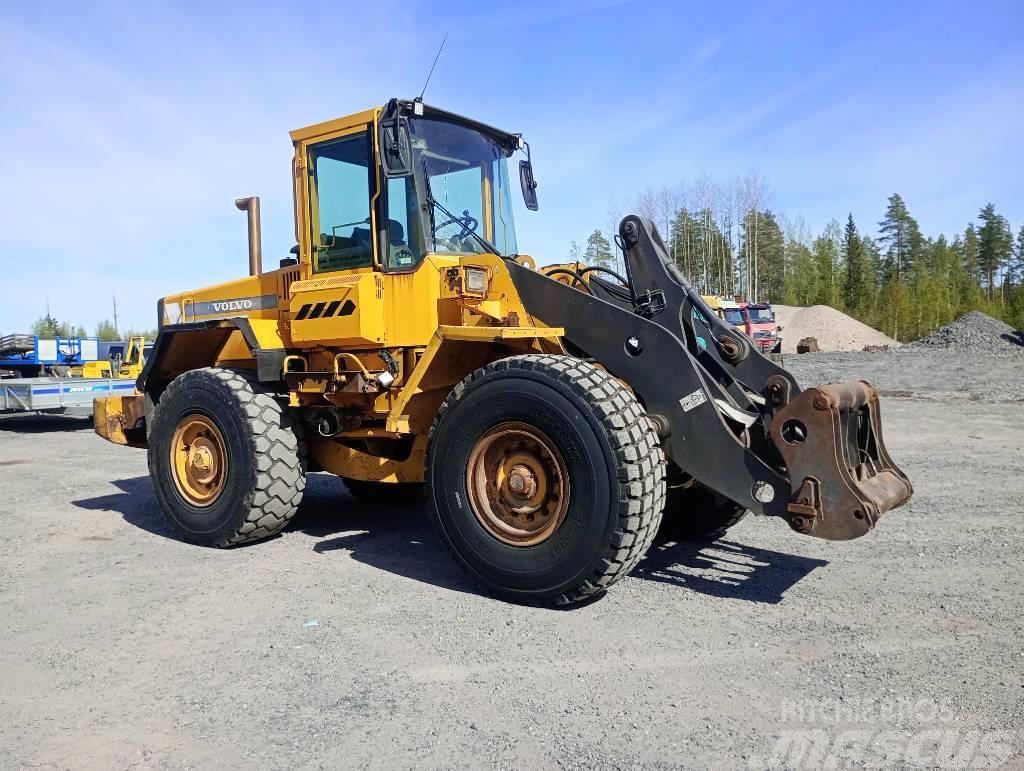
49 326
727 240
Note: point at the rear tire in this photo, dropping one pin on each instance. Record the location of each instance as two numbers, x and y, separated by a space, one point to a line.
594 471
386 492
697 513
226 458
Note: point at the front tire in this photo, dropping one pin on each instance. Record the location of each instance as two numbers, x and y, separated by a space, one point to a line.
545 478
226 458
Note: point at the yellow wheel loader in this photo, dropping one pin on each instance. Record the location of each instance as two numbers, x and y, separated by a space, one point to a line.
121 364
550 417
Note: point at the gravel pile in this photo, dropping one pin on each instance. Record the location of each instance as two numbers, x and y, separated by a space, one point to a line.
834 330
974 331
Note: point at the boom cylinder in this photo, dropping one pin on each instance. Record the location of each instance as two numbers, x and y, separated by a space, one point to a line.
251 206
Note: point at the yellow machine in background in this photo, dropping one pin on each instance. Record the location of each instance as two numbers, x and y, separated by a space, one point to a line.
728 310
548 416
711 300
731 312
121 364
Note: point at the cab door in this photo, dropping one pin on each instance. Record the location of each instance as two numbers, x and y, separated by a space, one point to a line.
342 185
340 304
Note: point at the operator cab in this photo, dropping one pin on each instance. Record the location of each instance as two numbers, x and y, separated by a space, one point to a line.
446 190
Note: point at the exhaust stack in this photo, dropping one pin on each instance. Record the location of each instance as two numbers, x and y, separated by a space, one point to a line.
251 206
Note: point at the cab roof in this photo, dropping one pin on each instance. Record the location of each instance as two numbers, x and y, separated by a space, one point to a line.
507 141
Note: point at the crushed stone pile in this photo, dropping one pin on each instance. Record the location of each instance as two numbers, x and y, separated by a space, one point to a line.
974 331
834 330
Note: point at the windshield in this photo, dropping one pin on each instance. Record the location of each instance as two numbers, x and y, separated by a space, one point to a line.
466 173
733 315
761 315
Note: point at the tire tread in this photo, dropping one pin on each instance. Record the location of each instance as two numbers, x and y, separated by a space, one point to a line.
278 442
639 460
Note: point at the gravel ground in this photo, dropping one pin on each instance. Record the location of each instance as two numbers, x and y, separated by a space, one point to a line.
922 373
123 647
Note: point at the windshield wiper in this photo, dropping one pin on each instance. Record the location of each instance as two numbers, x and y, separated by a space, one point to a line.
433 230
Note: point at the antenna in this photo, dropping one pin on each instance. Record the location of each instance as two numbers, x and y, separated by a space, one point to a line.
441 48
114 295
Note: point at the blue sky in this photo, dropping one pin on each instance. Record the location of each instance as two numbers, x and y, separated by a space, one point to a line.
128 129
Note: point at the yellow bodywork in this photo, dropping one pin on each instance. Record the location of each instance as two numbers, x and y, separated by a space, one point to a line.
128 367
434 330
93 369
719 305
119 418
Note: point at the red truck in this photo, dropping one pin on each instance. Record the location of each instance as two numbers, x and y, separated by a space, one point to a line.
760 326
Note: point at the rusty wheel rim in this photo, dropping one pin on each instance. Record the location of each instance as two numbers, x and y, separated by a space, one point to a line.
198 460
518 484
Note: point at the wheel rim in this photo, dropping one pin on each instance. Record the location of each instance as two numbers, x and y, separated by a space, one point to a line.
518 484
198 460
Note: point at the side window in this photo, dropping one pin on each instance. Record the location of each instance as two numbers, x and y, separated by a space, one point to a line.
342 234
405 234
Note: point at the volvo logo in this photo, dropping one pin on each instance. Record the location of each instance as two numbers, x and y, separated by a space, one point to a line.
232 305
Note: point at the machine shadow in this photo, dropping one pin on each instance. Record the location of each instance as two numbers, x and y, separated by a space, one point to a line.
392 537
43 423
399 539
726 569
136 503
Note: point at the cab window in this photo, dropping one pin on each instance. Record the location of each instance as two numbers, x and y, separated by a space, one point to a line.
405 233
734 316
342 235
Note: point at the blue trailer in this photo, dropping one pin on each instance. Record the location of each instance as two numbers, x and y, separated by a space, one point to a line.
30 355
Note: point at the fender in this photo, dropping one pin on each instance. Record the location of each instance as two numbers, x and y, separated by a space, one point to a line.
181 347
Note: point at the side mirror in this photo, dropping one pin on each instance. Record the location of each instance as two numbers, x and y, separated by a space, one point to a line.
529 184
395 147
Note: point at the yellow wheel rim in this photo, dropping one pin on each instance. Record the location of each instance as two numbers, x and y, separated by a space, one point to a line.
199 462
518 484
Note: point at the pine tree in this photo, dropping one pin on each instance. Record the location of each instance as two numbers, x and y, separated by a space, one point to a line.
574 252
971 295
1015 267
802 276
856 290
901 236
827 257
769 268
969 251
995 244
874 272
598 252
106 331
771 257
48 326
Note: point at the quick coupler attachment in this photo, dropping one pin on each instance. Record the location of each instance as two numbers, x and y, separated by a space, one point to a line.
842 478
